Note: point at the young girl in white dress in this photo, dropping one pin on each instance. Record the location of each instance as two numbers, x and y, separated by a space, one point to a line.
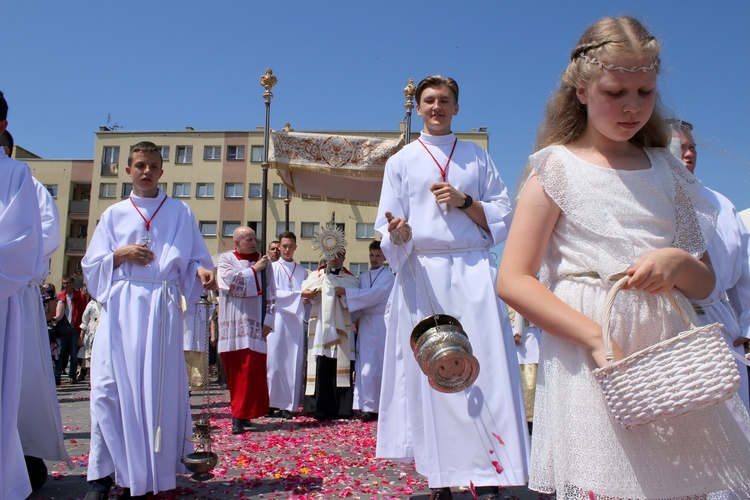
603 197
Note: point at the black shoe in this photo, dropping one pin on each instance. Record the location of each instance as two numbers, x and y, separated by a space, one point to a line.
441 494
37 470
368 416
246 423
237 428
272 412
284 415
73 381
96 495
488 492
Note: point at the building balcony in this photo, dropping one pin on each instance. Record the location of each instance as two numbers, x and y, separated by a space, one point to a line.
75 245
80 206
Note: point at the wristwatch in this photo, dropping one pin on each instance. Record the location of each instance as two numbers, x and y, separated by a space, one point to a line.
467 202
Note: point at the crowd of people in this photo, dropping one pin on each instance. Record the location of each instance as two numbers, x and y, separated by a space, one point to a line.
602 197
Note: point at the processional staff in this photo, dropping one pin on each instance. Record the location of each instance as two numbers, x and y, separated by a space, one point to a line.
409 91
267 81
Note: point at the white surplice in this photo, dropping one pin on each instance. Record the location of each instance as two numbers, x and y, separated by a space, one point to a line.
21 254
329 332
286 344
140 413
240 314
452 437
729 250
39 421
367 304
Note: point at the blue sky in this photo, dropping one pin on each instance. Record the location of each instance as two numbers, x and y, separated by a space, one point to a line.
342 65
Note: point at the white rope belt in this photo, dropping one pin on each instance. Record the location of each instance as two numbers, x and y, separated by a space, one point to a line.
438 251
165 284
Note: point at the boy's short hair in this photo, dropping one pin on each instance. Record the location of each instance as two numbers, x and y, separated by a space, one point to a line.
3 107
436 81
7 140
375 245
289 235
144 147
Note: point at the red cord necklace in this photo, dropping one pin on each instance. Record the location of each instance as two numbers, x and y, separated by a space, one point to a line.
147 239
443 171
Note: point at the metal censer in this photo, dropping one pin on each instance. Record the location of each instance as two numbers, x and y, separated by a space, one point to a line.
202 460
439 342
443 352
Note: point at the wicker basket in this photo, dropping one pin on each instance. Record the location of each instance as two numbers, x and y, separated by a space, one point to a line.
688 372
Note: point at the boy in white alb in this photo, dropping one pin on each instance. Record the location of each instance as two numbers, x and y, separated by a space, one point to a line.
145 254
286 344
367 303
446 201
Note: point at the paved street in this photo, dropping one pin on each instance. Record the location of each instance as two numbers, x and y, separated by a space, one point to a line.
299 458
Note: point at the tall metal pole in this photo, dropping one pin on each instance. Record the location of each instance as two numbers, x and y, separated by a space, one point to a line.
287 198
267 81
409 91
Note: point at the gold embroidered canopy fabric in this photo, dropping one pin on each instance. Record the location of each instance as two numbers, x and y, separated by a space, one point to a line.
342 168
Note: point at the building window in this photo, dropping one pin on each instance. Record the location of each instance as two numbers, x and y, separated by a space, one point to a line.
208 228
365 231
181 190
255 191
204 190
256 154
127 188
281 227
184 154
107 190
341 227
229 227
110 161
162 187
212 153
309 229
233 190
358 267
164 152
279 190
257 226
235 152
310 265
52 188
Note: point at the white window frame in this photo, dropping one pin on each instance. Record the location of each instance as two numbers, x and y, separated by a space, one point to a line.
184 155
233 190
235 152
228 227
256 154
162 186
258 189
110 161
164 152
281 227
204 190
212 152
365 231
127 188
52 188
205 227
108 190
180 186
279 190
309 229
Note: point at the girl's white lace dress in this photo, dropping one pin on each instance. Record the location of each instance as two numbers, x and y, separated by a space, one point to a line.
609 219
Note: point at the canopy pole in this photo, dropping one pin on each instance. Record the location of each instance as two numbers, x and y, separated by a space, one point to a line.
267 81
409 105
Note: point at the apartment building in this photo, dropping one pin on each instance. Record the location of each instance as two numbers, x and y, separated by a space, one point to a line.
217 173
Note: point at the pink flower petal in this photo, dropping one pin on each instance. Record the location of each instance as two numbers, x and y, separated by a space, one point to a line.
498 467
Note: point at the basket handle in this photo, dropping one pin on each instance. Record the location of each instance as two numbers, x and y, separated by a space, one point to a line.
610 300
